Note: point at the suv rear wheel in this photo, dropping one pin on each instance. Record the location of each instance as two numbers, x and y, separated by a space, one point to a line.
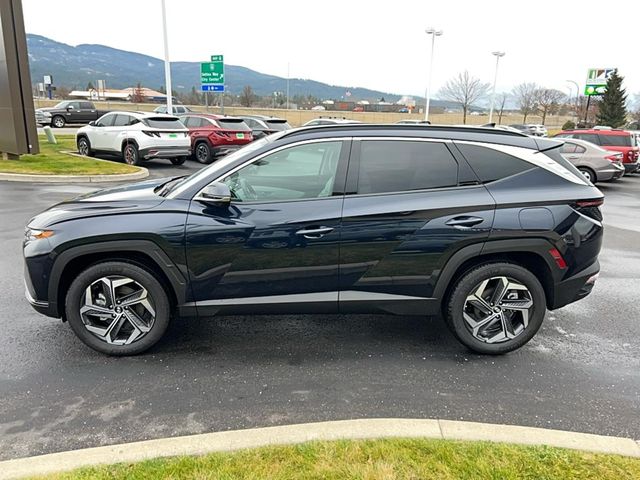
117 308
202 153
496 308
130 154
178 160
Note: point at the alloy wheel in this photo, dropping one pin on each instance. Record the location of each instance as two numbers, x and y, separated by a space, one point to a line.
129 155
202 153
498 309
117 310
83 148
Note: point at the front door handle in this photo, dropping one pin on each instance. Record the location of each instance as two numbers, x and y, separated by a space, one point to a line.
314 232
464 222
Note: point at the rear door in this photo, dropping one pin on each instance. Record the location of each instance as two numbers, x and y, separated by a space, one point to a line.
277 244
87 112
410 205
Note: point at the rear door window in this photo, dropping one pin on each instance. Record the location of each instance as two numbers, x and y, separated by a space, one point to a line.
589 137
400 166
491 165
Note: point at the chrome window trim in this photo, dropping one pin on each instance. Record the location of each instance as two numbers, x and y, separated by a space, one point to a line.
275 150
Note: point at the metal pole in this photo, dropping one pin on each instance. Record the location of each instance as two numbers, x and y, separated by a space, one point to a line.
495 80
287 85
577 98
426 108
167 65
586 111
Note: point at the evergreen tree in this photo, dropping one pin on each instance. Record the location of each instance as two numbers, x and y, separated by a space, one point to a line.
612 107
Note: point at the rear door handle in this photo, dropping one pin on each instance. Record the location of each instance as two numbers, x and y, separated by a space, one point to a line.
314 232
464 222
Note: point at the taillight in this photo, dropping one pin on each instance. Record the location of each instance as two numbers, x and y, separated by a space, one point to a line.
590 208
614 158
151 133
557 257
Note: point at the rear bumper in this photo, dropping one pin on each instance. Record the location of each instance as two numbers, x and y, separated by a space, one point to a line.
164 152
576 287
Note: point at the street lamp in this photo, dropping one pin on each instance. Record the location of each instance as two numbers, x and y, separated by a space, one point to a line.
167 65
434 33
495 79
577 95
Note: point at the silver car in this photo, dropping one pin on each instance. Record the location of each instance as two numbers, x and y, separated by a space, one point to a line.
595 163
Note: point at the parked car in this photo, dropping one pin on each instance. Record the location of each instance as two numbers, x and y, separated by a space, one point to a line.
330 121
215 135
69 111
595 163
531 129
489 227
137 136
262 125
410 121
176 109
610 139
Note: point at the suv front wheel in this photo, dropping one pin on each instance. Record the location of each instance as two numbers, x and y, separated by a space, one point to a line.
117 308
130 154
496 308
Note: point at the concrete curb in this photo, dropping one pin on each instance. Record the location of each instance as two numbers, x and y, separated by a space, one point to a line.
117 177
334 430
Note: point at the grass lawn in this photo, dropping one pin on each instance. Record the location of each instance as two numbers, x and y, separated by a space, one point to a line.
379 459
51 161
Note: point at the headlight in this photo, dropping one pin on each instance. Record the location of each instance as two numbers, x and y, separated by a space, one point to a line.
46 114
31 234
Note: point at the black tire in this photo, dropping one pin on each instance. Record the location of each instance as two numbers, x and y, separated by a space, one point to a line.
58 121
589 174
202 153
130 154
155 291
178 160
84 147
466 285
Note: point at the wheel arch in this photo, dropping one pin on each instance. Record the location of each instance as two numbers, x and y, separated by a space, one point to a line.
143 253
530 254
128 141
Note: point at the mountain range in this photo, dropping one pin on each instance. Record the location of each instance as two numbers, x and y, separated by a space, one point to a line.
74 67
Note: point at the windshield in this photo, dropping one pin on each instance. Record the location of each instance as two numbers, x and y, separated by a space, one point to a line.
222 164
62 105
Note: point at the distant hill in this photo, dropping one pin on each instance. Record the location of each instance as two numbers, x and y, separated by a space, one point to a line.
75 67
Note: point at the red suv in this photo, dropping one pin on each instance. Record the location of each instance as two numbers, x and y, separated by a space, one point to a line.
610 139
215 135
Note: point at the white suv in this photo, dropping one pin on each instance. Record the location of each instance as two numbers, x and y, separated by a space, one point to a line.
136 136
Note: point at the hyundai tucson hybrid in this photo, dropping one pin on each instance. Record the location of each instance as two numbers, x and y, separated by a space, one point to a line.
488 228
136 137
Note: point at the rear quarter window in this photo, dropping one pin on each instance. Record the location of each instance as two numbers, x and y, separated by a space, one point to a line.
616 140
491 165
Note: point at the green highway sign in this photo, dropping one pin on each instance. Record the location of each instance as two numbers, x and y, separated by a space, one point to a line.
212 72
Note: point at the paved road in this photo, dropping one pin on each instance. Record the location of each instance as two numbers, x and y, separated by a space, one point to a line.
582 372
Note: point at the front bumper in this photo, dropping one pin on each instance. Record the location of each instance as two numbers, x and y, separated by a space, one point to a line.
43 120
164 152
576 287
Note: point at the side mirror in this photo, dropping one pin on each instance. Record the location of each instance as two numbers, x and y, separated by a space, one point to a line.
69 108
92 123
215 193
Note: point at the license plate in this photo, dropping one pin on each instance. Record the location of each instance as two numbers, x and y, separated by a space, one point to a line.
239 135
173 135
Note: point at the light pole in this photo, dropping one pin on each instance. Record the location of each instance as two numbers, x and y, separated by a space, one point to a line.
577 96
288 64
167 65
434 33
495 79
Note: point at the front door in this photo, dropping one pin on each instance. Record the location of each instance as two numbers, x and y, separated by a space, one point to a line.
276 246
409 210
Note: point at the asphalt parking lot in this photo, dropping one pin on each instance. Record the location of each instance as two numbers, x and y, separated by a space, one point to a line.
581 372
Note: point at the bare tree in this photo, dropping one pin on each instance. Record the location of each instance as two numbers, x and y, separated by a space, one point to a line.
501 101
137 95
548 101
247 97
465 90
525 95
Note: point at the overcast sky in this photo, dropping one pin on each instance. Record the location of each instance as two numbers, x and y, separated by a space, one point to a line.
374 44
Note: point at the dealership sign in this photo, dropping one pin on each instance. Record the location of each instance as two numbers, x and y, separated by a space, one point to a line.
597 80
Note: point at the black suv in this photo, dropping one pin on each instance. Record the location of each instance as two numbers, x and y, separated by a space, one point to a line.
489 228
